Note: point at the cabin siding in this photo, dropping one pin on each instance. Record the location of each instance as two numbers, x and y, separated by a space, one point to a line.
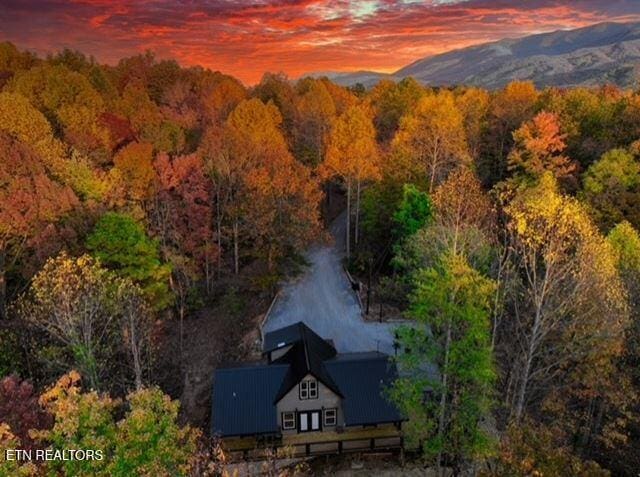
327 399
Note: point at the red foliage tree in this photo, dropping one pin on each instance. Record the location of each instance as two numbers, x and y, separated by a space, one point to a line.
19 408
183 213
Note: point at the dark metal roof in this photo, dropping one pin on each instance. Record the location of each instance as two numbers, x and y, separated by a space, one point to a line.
307 356
243 400
363 379
288 335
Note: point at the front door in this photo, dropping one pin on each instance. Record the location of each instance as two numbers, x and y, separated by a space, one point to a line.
308 421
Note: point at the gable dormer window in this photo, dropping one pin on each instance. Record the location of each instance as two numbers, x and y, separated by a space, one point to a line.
309 389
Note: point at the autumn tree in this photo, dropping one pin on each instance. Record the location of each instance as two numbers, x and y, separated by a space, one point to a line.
569 303
32 201
182 219
135 104
463 210
219 95
21 120
390 102
276 88
183 211
473 104
611 186
133 173
431 140
625 241
342 97
269 199
13 61
315 112
529 449
509 108
146 441
69 101
97 319
463 223
593 121
13 467
352 155
451 305
149 438
539 147
121 244
20 410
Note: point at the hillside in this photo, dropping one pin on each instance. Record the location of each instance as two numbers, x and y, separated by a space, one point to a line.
602 53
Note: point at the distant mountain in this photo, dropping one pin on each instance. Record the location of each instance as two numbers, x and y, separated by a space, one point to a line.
602 53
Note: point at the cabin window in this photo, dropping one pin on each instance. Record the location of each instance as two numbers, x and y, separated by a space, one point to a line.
288 420
309 389
330 417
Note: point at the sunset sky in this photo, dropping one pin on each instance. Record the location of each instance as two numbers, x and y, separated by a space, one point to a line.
246 38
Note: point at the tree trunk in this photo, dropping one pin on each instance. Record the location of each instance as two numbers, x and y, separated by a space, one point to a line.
524 382
443 396
432 174
181 312
369 286
357 232
135 352
496 298
207 274
3 284
348 232
219 233
236 260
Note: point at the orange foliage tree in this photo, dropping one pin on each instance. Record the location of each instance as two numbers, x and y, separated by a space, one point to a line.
539 147
271 199
32 202
133 173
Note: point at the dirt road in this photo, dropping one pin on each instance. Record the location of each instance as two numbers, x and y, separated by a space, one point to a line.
322 298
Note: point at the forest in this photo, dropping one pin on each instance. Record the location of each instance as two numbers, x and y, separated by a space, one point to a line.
137 198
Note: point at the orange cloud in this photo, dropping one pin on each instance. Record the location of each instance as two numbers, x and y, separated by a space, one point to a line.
247 38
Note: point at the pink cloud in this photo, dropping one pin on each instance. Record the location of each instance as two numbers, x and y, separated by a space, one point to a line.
295 36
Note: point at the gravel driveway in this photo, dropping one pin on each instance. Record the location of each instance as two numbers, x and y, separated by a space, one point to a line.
322 298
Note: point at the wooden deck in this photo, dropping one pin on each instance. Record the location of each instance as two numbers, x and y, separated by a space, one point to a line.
347 435
318 443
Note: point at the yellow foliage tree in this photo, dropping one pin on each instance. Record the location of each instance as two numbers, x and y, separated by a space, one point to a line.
352 155
69 100
473 104
146 441
432 139
22 120
570 311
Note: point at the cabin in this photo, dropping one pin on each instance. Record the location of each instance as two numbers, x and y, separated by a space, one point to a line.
307 396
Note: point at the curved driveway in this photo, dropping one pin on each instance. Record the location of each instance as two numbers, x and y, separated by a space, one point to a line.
322 298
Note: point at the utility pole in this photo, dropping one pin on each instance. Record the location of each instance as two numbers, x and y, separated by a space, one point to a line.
369 285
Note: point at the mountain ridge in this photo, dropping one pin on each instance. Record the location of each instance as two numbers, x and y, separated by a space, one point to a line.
602 53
